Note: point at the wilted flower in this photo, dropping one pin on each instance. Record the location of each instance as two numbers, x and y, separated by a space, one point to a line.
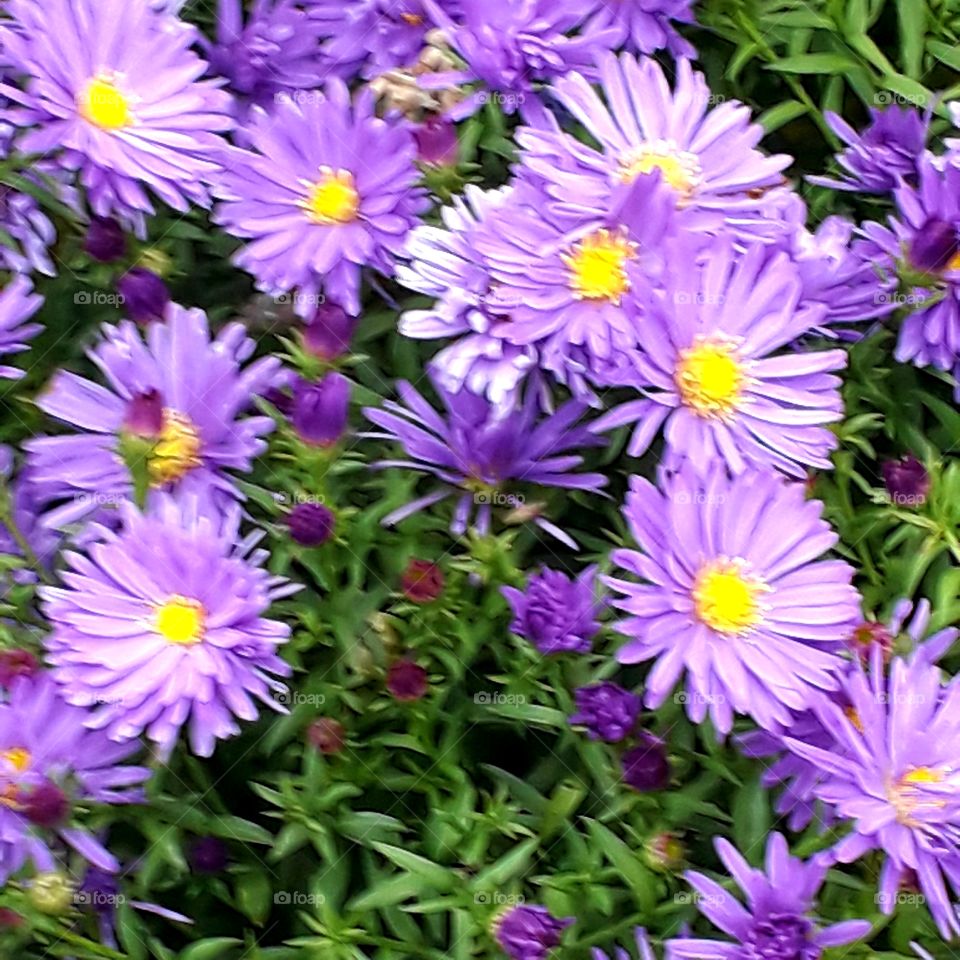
16 663
529 932
607 711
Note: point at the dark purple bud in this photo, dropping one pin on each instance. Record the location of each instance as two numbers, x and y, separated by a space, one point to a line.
208 855
529 932
329 332
145 295
311 524
320 409
645 766
45 805
906 480
437 142
144 416
406 680
105 240
422 581
326 735
607 711
16 663
935 245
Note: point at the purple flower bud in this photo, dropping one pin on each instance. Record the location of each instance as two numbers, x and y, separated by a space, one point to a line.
529 932
16 663
607 711
279 399
145 295
407 680
320 409
422 581
105 240
437 142
936 243
645 766
556 613
144 416
906 480
45 805
329 332
208 855
311 524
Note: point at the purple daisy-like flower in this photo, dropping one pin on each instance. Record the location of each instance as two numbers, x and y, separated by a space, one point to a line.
45 749
529 932
893 770
128 117
30 229
174 387
734 594
556 613
509 50
644 26
644 949
318 209
162 625
443 263
607 711
274 52
707 154
18 303
887 150
776 922
481 451
714 373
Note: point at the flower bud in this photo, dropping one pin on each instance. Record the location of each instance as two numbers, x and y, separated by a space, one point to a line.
45 805
311 524
645 766
51 893
422 581
16 663
437 143
320 409
906 480
328 334
105 240
208 855
326 735
406 680
144 415
145 295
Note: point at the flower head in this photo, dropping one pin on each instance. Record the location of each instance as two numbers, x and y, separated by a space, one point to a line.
751 614
49 763
482 450
643 26
556 613
18 303
607 711
201 388
132 118
529 932
318 209
179 637
776 923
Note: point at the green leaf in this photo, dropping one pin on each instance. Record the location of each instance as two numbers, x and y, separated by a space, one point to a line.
913 28
751 819
440 878
627 862
781 114
508 867
212 949
815 63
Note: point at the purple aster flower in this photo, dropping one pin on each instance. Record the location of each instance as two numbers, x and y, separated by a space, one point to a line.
734 594
320 409
178 636
711 370
275 53
556 613
18 303
29 534
644 26
129 117
644 950
202 388
31 231
318 209
45 747
893 769
885 152
444 264
481 451
776 922
645 767
607 711
529 932
708 158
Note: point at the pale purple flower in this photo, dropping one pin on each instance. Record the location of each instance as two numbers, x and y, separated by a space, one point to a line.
18 303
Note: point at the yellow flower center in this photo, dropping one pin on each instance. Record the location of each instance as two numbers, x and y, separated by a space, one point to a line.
414 19
953 263
332 199
15 760
103 104
177 450
598 266
853 715
710 377
725 598
907 799
680 169
180 620
17 757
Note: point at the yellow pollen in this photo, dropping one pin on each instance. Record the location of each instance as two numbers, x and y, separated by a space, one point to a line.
102 104
907 799
710 378
854 717
414 19
922 775
679 168
17 757
598 266
177 450
953 263
180 620
725 598
332 199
